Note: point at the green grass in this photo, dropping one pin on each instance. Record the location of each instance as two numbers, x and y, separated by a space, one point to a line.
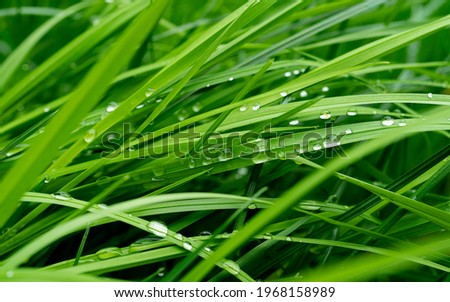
224 140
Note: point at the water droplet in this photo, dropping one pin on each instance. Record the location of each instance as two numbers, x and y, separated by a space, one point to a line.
309 205
251 206
288 238
230 79
225 235
205 233
109 252
303 93
61 195
296 72
260 158
348 131
352 112
402 123
161 272
331 140
196 107
89 136
187 246
155 178
178 236
46 109
231 266
294 122
111 107
267 236
95 20
281 155
207 249
149 92
226 154
387 121
158 170
141 244
208 85
158 228
140 106
317 147
191 163
287 74
325 115
430 95
158 100
284 94
243 108
325 89
256 106
182 115
102 206
9 274
47 179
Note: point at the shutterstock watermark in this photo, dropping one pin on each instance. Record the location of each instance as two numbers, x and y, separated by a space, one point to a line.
270 143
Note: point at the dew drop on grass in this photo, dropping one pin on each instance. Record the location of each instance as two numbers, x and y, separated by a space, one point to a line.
303 93
325 115
149 92
46 109
387 121
287 74
196 107
205 233
430 95
348 131
9 274
288 238
230 79
256 106
178 236
102 206
111 107
281 155
325 89
317 147
109 252
89 136
260 158
402 123
158 170
206 161
207 249
140 106
226 154
158 228
294 122
284 94
243 108
242 171
231 266
140 245
187 246
251 206
267 236
296 72
352 112
61 195
161 272
191 163
331 140
47 179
